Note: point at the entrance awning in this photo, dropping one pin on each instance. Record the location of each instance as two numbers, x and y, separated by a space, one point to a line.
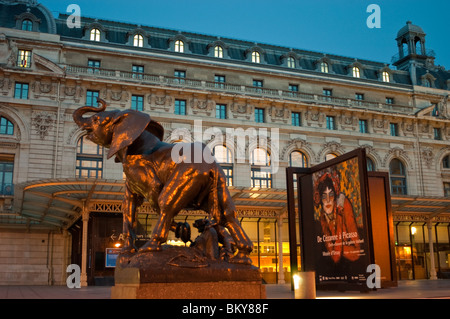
57 203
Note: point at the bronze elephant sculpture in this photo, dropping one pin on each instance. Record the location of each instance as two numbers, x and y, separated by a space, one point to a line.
151 173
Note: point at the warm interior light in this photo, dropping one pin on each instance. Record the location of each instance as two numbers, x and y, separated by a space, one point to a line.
296 281
117 245
413 230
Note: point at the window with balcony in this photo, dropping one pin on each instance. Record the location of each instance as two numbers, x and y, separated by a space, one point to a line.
138 71
6 126
21 91
93 66
24 59
180 76
258 84
390 100
89 163
219 81
327 93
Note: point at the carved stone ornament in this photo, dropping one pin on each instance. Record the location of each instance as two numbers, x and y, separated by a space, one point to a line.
43 122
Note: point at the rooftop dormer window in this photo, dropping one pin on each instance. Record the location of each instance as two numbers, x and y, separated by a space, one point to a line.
386 76
179 46
356 72
138 40
95 35
218 51
256 57
324 67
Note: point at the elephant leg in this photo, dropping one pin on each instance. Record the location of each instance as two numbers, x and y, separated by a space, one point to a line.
130 203
175 196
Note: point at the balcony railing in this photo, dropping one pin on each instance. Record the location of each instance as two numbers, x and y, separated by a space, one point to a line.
396 57
231 88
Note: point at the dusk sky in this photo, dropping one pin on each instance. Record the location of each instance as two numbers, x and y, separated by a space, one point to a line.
328 26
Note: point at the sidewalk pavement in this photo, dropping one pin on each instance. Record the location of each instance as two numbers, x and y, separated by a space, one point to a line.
407 289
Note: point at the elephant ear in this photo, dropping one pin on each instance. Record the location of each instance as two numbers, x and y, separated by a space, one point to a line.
156 129
128 126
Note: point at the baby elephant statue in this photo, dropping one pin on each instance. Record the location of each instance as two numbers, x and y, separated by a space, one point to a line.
169 183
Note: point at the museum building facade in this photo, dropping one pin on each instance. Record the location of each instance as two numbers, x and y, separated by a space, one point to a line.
60 198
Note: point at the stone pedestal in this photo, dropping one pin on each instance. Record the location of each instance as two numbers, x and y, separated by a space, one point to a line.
183 273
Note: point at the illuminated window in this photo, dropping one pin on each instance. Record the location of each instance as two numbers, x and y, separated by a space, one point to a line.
260 176
386 77
138 41
27 25
6 127
24 59
256 57
291 62
225 159
298 159
179 46
398 177
95 35
89 159
356 72
218 51
324 67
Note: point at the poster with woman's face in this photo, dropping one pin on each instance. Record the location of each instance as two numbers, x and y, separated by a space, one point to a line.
340 237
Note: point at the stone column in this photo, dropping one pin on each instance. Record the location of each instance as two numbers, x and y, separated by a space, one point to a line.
430 245
280 251
84 246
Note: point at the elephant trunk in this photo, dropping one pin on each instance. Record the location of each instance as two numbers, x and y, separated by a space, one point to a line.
78 114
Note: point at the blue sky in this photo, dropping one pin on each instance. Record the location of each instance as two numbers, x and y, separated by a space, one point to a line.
328 26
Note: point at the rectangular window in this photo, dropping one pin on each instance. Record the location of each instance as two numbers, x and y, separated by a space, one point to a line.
24 59
228 170
447 189
363 128
138 71
180 107
359 97
327 94
21 91
180 76
258 84
221 111
259 115
137 102
93 66
296 119
219 81
390 100
91 98
331 125
437 133
261 178
89 167
394 129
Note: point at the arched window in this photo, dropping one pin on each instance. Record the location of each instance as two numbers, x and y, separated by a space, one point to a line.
224 157
356 72
218 51
386 76
446 162
95 35
179 46
398 177
370 165
298 159
260 161
27 25
256 57
89 159
418 46
6 127
291 62
138 40
324 67
330 156
427 83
